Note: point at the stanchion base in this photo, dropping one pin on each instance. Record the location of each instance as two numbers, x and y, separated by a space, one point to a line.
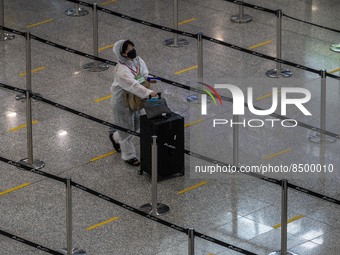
273 73
335 47
37 163
161 208
315 137
6 37
96 67
180 42
74 13
75 251
244 19
279 253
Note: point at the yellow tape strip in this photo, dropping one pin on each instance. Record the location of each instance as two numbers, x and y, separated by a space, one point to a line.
335 70
103 98
105 47
108 2
15 188
39 23
277 154
102 223
33 71
22 126
289 221
260 44
192 187
186 70
103 156
267 95
193 123
186 21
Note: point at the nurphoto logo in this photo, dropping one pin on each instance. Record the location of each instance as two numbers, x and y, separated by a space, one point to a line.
239 104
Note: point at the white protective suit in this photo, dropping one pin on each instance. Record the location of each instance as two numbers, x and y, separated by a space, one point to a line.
123 116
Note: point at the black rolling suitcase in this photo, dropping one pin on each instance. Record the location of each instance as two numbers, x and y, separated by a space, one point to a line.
169 130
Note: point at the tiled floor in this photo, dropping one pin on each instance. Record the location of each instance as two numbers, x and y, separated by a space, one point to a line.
240 210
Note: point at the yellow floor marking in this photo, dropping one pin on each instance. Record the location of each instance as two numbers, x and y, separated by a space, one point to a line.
34 70
266 95
39 23
105 47
22 126
102 223
103 156
192 187
186 21
15 188
193 123
289 221
103 98
335 70
260 44
108 2
186 70
277 154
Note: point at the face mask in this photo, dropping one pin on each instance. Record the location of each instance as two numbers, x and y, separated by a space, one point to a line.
132 54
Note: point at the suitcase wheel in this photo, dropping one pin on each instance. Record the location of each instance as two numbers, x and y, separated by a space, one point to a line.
140 172
181 174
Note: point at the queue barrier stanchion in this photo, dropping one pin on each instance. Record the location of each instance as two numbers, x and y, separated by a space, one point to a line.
95 66
175 41
191 241
317 137
235 140
196 97
29 161
284 221
69 250
241 17
335 47
76 11
154 208
4 36
278 71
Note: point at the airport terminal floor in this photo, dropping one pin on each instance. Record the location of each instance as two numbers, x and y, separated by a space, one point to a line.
284 142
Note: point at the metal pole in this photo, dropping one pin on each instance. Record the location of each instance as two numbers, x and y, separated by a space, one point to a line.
175 41
68 216
175 23
191 241
3 35
28 100
154 208
235 140
154 175
95 66
69 250
241 17
76 11
317 137
277 72
196 97
284 221
200 56
323 105
37 164
284 216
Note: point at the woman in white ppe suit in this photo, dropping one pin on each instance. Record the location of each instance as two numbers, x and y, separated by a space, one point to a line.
129 73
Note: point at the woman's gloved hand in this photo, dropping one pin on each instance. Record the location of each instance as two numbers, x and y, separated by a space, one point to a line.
153 94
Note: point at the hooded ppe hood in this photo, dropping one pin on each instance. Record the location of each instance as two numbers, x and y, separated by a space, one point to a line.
117 49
